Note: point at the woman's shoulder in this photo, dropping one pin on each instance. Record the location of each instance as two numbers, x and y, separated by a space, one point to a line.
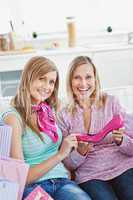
113 103
112 98
6 110
65 113
64 110
11 113
9 109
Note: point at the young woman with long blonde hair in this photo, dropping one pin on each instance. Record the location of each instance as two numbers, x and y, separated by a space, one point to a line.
36 136
103 169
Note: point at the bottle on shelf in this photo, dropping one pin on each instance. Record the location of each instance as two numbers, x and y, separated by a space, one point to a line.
71 28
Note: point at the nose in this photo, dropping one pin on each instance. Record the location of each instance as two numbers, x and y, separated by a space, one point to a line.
83 83
46 84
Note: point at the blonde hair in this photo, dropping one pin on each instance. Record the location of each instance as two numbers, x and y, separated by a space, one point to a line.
35 68
97 96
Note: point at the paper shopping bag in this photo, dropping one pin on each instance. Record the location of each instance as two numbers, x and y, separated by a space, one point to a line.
5 139
14 170
8 190
38 194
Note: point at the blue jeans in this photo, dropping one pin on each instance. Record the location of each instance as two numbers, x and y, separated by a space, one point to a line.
59 189
119 188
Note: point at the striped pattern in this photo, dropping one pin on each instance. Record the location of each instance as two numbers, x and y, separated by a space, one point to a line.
36 151
106 160
5 139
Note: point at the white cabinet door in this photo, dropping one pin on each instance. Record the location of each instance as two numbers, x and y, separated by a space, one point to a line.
115 67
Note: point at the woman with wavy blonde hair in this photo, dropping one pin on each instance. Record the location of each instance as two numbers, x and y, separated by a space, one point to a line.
36 137
36 67
97 96
103 169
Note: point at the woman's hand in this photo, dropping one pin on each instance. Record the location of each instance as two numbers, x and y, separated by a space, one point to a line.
84 147
68 144
118 136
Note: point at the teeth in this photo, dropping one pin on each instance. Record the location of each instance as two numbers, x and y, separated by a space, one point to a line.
83 89
42 92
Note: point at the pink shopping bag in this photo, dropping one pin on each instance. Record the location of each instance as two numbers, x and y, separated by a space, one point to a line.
38 194
14 170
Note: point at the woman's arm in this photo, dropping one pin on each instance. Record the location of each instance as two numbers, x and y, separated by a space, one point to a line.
74 159
38 170
126 145
16 148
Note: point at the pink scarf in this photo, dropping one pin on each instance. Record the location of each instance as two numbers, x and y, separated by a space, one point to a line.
46 120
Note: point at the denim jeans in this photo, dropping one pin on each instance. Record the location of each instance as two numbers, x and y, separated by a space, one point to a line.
59 189
119 188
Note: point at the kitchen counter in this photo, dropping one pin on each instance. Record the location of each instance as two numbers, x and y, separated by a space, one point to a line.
58 51
15 60
110 60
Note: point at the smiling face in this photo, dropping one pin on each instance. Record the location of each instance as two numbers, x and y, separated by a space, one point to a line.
42 88
83 81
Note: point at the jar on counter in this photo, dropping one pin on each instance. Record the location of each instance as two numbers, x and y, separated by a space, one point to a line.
0 42
71 28
4 42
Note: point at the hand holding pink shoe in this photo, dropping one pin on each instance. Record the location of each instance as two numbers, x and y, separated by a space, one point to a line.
116 123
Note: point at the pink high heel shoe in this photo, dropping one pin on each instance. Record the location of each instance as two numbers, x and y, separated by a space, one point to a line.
116 123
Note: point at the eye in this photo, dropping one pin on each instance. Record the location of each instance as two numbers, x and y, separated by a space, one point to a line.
52 82
41 78
88 77
76 77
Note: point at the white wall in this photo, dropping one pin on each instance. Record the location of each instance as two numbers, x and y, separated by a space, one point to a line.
49 15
